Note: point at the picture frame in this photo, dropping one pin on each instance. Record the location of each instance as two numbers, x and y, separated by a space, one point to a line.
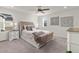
54 20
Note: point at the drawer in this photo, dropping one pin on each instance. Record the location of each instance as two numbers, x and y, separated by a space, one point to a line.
3 36
13 35
75 48
74 37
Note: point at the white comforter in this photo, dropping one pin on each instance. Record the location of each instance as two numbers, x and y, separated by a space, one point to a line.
29 37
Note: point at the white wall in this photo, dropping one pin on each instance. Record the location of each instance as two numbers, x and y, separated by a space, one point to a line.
32 18
61 31
58 30
19 15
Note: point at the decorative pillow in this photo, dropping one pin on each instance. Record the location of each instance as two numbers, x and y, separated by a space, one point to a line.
29 28
24 27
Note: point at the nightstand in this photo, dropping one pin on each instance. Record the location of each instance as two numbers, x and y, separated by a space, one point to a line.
14 34
3 35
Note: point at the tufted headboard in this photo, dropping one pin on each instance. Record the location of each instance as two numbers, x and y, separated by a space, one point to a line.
22 23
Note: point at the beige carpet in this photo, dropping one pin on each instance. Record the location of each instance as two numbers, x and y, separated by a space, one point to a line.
58 45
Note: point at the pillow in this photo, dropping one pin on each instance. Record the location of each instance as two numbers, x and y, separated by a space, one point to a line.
24 27
29 28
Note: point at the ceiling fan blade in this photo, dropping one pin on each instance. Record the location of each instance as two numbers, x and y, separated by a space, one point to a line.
45 9
40 9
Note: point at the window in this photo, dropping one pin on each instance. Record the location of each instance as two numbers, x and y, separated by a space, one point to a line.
42 21
5 21
45 22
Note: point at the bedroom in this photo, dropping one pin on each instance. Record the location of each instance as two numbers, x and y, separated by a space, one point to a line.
42 21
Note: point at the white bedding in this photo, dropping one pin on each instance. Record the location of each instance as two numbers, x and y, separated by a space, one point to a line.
29 37
25 31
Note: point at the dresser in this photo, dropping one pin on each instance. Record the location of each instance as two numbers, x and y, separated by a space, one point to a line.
14 34
73 40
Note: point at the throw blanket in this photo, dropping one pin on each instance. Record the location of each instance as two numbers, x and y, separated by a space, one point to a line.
41 37
37 36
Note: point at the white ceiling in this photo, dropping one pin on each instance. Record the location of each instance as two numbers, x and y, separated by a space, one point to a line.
34 8
31 9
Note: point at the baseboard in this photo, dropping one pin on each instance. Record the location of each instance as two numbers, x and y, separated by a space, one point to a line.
60 37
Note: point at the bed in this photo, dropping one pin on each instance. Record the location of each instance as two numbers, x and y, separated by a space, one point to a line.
35 37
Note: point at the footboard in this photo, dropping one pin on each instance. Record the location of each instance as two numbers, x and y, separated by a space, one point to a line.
43 39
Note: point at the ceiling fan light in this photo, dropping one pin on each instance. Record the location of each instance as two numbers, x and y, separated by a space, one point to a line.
41 14
65 7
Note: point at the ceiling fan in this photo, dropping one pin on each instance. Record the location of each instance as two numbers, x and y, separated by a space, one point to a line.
42 10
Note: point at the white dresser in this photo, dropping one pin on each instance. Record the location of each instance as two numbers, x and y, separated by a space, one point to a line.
3 35
73 40
13 35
